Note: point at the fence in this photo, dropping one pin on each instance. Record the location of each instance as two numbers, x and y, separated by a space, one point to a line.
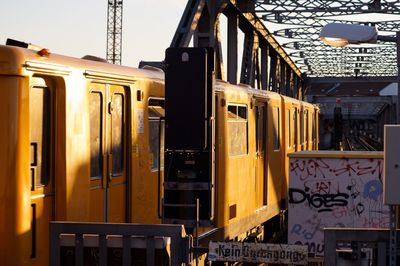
105 244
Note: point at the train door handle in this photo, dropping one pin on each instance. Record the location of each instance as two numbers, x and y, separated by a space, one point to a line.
33 231
109 167
34 163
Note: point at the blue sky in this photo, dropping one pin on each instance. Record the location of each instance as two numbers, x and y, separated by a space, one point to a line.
78 27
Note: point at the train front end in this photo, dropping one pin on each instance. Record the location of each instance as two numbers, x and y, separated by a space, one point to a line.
189 181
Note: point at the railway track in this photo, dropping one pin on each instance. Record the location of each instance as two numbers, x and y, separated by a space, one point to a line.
361 143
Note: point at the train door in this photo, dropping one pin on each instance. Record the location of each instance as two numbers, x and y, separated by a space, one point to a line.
42 134
301 119
108 152
274 153
314 129
307 129
296 129
261 182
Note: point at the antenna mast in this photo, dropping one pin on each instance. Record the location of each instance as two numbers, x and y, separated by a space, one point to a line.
114 31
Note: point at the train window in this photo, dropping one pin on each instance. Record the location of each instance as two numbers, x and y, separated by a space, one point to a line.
260 128
40 135
156 132
276 127
289 129
117 139
307 129
313 130
295 129
96 151
301 128
237 130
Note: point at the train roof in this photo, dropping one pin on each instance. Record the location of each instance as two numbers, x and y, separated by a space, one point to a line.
244 88
291 100
16 60
222 86
307 104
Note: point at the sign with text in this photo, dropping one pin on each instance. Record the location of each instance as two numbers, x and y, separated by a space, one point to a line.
333 192
258 253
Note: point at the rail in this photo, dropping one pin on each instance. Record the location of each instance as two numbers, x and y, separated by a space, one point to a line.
361 143
95 240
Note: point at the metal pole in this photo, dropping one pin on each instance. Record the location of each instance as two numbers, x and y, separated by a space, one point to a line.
197 228
393 209
398 77
392 236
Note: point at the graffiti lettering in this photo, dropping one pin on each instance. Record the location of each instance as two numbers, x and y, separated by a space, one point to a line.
313 248
373 189
305 169
345 167
298 229
376 222
322 202
372 167
323 187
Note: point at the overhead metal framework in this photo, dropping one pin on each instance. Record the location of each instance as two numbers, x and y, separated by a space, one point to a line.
264 63
296 25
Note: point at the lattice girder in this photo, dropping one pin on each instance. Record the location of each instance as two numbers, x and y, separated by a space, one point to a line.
304 19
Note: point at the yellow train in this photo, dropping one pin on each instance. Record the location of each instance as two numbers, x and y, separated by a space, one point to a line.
83 140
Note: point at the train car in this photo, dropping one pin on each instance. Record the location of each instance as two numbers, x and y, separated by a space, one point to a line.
80 142
307 125
291 141
300 127
248 161
230 164
315 128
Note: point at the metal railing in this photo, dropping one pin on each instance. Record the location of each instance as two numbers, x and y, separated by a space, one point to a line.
93 242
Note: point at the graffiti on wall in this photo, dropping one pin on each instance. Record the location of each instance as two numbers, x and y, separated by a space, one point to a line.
333 192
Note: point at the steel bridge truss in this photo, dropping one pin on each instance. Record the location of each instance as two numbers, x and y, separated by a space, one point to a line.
265 64
297 25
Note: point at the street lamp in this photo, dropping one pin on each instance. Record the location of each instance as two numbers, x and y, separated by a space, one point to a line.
339 35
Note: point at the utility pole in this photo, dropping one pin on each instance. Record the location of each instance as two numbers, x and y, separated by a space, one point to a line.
114 31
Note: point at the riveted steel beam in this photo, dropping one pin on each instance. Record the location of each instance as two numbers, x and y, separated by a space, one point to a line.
261 51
